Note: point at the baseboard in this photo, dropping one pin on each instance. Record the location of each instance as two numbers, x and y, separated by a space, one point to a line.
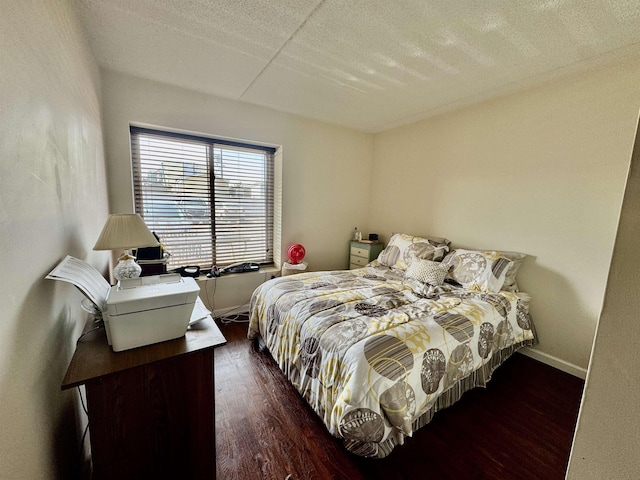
555 362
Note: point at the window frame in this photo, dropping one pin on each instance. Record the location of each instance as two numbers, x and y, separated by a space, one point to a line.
213 199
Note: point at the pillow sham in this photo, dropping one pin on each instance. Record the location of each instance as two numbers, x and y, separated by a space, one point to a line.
510 283
427 271
477 270
402 247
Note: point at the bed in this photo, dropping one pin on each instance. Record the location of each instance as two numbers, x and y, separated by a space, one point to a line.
378 350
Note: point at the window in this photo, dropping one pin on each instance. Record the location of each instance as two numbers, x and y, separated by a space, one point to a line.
210 201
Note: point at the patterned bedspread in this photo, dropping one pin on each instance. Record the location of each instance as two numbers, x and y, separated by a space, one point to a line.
376 355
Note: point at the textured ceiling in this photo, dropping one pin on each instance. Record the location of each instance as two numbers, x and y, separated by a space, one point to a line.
369 65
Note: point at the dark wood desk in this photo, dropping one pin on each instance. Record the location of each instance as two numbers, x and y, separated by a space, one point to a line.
151 409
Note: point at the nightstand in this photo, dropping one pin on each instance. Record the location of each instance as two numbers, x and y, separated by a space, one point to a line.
361 253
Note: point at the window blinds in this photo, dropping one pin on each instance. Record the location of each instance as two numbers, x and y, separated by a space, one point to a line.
209 201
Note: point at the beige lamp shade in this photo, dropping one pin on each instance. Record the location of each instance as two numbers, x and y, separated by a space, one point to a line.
123 231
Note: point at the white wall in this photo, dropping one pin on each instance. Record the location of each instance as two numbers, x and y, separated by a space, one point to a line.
608 432
326 169
540 172
52 203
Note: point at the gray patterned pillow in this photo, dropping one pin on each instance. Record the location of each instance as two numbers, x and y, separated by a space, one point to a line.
426 271
482 271
402 248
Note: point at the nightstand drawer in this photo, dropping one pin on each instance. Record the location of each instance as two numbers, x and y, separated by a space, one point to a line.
359 252
360 261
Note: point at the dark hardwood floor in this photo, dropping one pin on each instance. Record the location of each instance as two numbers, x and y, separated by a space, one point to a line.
519 427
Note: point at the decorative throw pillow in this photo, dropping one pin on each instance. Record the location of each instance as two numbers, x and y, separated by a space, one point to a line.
402 247
477 270
426 271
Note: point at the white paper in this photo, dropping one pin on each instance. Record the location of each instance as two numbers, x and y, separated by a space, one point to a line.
85 277
200 312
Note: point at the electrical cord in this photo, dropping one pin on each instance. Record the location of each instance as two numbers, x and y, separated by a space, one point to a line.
89 331
86 428
211 301
234 319
84 407
240 317
84 437
100 324
229 316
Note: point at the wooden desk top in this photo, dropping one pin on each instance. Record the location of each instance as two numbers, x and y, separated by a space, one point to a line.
94 358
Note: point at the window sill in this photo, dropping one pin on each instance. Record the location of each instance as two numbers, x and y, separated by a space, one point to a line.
268 272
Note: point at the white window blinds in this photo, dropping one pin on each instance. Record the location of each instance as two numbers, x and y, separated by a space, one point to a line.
209 201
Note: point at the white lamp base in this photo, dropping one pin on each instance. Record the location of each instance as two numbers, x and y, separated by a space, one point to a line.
127 268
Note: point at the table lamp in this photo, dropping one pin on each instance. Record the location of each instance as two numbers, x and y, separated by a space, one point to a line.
124 231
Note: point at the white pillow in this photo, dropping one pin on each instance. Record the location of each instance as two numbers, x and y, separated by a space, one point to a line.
426 271
510 283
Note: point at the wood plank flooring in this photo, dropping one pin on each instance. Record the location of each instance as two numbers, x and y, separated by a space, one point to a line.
519 427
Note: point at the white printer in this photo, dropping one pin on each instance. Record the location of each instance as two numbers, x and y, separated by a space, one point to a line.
145 310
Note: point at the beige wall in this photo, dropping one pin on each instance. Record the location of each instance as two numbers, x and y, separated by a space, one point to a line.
540 172
52 203
608 432
326 169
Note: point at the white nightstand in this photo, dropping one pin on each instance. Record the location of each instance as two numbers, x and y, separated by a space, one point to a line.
361 253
